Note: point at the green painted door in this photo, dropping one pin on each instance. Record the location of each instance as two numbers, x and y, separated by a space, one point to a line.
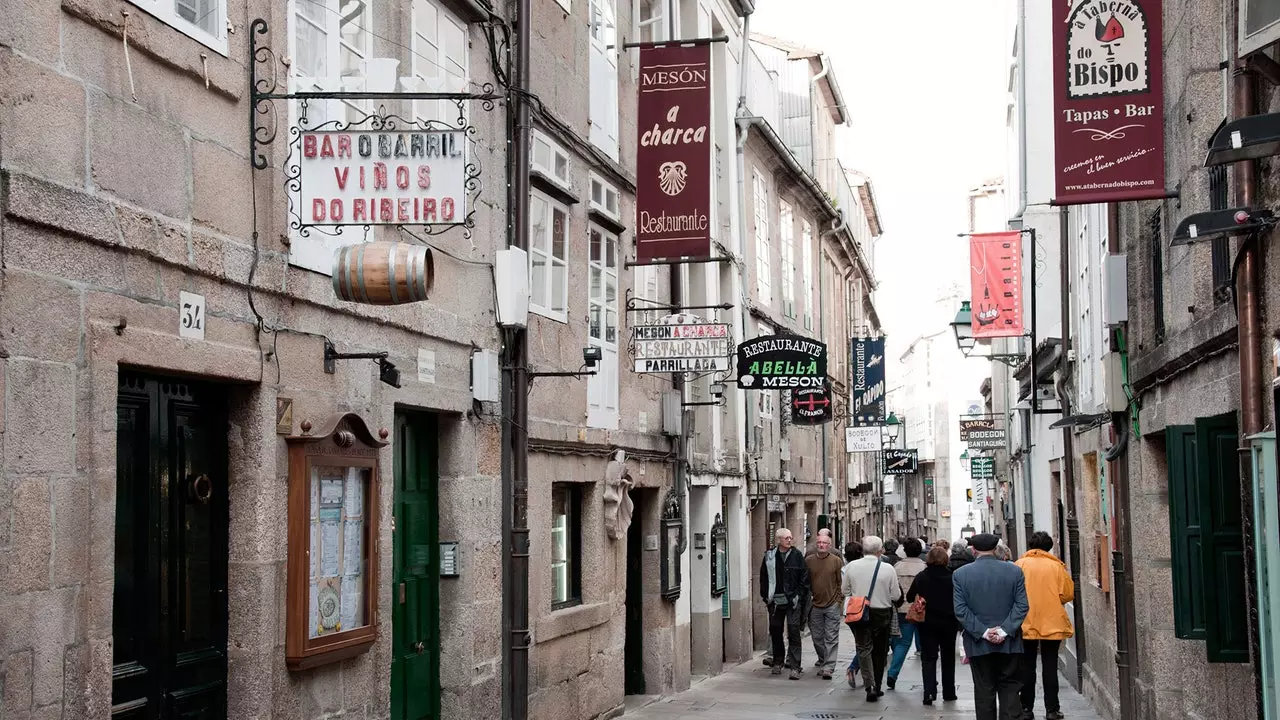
415 619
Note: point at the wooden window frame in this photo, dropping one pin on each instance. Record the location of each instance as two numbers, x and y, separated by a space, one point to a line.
343 441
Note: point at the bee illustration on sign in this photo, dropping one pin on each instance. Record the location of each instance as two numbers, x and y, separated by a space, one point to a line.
1107 53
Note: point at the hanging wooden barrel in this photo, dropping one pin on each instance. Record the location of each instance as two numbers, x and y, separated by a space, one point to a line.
383 273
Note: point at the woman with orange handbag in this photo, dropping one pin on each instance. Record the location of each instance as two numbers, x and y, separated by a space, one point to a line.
930 595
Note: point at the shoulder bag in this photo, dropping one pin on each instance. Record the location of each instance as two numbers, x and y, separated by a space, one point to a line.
856 608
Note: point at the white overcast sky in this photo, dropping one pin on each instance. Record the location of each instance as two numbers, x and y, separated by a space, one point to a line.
925 82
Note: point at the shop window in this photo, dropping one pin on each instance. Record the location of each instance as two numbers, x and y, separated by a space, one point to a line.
566 546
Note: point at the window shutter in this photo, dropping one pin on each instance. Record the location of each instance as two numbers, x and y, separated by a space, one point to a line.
1227 621
1185 533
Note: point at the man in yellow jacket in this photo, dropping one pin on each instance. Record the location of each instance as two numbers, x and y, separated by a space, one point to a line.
1049 588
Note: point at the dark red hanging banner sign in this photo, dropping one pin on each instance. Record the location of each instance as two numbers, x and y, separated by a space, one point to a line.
1108 101
673 159
995 269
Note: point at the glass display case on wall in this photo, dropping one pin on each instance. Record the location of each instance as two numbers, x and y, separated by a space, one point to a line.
332 602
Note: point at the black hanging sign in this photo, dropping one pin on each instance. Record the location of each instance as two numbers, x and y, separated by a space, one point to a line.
900 462
782 362
811 406
867 361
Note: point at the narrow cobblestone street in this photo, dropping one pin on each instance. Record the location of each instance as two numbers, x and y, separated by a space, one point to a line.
749 692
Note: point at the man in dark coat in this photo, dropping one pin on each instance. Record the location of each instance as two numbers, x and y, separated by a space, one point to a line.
784 588
990 600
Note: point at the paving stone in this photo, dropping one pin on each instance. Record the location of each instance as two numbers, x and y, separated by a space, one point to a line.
749 692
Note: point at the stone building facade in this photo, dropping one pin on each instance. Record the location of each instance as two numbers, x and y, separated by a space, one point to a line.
128 182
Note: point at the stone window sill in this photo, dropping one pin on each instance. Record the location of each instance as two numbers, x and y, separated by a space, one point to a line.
573 620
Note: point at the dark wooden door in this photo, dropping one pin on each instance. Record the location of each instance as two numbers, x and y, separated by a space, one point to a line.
415 660
170 608
633 647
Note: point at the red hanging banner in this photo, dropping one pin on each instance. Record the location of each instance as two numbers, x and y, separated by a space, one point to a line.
995 267
673 158
1108 101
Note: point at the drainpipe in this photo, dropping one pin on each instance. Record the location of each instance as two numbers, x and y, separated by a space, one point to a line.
837 226
1068 447
1126 608
515 404
1251 391
747 446
813 116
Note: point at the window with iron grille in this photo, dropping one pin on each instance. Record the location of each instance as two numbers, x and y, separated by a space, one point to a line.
1221 247
1157 274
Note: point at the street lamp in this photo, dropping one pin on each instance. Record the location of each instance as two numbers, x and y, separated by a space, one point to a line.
964 460
892 427
962 326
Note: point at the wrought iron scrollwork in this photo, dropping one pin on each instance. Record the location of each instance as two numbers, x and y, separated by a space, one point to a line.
378 121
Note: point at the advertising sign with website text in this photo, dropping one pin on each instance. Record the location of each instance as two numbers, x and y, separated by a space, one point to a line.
673 157
1108 101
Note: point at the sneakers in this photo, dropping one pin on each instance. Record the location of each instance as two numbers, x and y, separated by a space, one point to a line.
775 670
820 663
795 674
1027 715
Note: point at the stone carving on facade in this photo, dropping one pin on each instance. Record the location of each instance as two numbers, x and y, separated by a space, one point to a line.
617 497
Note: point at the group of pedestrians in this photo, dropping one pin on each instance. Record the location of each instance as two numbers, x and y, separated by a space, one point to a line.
1010 615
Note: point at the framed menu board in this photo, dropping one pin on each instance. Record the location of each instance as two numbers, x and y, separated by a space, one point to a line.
333 539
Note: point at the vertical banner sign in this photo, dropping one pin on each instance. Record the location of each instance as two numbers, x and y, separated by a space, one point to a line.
1108 101
673 160
867 361
995 267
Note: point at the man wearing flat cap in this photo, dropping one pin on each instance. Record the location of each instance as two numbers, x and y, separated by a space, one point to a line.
990 601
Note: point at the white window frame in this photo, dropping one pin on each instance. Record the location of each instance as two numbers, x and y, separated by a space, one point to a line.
166 11
787 249
558 167
543 246
1264 36
604 384
606 45
602 205
566 4
764 265
806 258
315 251
656 27
765 398
425 71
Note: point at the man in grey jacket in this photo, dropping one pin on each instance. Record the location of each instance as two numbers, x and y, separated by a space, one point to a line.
991 602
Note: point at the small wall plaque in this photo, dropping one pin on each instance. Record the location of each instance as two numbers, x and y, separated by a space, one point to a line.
449 559
700 541
651 542
284 415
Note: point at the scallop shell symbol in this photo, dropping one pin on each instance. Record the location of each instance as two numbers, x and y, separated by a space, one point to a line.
671 177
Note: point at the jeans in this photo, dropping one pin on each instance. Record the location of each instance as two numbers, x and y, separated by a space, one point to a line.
938 646
901 645
873 645
824 628
1048 652
790 615
997 677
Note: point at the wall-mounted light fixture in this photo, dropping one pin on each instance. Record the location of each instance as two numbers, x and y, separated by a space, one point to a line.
387 371
1246 138
1217 223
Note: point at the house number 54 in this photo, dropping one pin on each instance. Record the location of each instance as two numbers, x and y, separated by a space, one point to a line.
191 316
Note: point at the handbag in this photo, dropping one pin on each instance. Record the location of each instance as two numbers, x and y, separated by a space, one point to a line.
856 608
915 613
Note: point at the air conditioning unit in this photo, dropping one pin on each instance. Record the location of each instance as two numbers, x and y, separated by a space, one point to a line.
1113 382
1115 289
